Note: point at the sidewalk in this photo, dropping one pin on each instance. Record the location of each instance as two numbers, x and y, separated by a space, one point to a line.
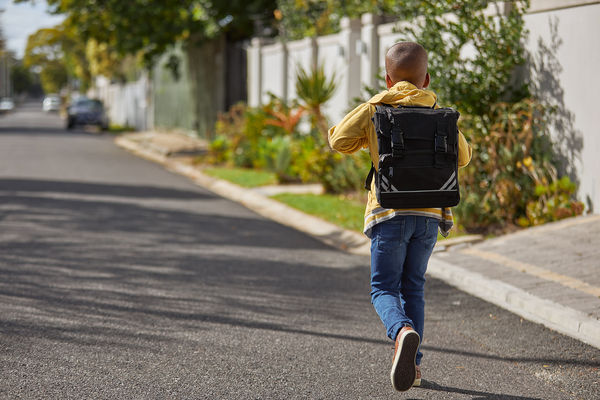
548 274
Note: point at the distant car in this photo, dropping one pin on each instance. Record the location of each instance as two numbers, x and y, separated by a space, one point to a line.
6 105
51 103
84 111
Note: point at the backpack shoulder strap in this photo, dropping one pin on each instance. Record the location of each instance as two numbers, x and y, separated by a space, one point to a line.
370 175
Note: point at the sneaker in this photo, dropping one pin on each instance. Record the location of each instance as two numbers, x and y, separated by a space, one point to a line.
418 377
404 371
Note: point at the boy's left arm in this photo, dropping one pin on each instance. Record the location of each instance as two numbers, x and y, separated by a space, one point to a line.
351 134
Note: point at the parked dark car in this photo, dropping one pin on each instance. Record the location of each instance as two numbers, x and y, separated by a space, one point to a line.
84 111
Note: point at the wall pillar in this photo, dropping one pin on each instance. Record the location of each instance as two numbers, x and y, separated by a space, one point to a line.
255 72
369 50
349 37
284 71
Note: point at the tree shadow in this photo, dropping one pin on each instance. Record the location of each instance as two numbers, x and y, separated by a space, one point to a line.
192 221
84 188
545 360
545 71
9 129
112 267
477 395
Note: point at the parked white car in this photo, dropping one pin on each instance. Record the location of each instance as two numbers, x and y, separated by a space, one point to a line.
6 105
51 103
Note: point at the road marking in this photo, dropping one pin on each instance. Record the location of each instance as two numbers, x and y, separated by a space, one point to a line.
534 270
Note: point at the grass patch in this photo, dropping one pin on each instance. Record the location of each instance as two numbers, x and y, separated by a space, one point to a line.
339 210
242 176
348 214
118 129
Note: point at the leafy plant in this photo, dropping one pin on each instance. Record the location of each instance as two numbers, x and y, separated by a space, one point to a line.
472 54
219 150
553 198
285 117
229 138
304 18
512 159
313 161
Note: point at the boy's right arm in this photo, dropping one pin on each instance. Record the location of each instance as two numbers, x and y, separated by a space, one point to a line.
465 152
351 134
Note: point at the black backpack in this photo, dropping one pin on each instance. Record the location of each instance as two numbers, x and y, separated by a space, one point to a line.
418 157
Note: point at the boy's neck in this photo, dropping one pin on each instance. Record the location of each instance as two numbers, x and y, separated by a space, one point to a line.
391 83
395 83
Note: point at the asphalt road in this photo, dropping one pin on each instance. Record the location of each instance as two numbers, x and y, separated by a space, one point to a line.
120 280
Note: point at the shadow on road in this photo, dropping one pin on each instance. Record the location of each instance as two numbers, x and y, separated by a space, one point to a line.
102 271
538 360
477 395
83 188
54 131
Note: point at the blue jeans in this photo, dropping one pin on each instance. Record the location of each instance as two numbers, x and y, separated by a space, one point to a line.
400 251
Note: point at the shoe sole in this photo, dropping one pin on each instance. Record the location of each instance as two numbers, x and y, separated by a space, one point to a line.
403 373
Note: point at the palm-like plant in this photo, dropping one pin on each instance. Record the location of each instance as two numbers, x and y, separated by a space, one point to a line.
314 89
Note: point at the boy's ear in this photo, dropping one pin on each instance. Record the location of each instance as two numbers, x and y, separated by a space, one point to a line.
388 81
427 81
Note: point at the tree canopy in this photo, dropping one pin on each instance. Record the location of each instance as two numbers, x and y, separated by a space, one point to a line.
302 18
58 53
150 27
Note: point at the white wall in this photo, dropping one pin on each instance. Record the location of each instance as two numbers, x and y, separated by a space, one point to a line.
565 56
274 79
331 55
126 104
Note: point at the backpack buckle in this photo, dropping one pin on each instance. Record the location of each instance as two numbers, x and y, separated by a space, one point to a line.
397 141
441 144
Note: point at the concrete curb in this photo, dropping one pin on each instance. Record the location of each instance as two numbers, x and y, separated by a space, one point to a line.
553 315
548 313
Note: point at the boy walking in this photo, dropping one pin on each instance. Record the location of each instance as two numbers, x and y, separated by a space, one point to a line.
402 240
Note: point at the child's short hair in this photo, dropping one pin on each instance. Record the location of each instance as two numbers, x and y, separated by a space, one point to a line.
406 61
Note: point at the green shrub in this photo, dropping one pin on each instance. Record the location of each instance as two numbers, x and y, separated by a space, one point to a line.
219 150
268 138
344 173
275 155
512 161
552 201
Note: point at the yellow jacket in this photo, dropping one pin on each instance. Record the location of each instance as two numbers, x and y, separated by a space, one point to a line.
356 131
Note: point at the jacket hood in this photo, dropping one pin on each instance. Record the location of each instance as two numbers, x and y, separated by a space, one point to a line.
405 93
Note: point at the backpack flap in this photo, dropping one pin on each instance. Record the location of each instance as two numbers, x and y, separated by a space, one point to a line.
418 158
